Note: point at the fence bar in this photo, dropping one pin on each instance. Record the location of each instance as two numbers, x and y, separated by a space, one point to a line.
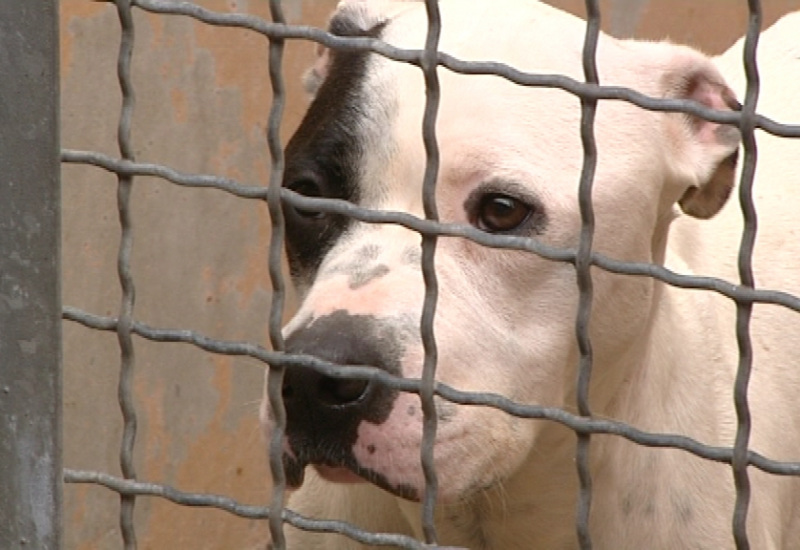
432 160
30 297
275 372
124 334
745 263
583 274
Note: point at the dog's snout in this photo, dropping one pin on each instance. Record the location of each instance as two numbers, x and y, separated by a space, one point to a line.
338 338
302 389
342 392
323 412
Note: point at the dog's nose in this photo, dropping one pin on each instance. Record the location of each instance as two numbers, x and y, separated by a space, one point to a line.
310 388
338 338
320 408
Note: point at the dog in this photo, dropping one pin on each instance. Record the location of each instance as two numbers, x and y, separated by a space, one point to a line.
664 358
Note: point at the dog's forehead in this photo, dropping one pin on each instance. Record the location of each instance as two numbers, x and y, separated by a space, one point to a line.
363 132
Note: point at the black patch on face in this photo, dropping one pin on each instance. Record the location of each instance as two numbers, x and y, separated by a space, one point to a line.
363 277
445 411
323 156
360 267
412 257
295 472
321 429
368 252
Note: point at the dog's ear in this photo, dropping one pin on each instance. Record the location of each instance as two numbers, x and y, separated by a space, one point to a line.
704 153
315 75
351 18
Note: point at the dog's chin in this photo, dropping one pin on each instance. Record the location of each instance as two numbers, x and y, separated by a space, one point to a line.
338 474
294 471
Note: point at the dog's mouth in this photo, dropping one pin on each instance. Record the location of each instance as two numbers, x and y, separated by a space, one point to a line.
336 474
295 473
344 472
294 470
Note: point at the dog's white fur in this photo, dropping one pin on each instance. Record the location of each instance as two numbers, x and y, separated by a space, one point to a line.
664 358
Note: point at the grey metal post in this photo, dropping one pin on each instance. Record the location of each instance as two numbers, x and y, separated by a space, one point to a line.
30 299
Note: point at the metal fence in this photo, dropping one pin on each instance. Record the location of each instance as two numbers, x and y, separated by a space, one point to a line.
126 168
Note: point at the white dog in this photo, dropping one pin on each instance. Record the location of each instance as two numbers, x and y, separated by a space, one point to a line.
664 358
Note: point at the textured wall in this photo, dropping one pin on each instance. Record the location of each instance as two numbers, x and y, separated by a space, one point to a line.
199 262
199 258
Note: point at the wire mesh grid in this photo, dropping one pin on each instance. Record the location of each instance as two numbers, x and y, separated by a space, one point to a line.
428 59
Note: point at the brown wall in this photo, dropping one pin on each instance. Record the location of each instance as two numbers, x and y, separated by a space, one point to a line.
199 258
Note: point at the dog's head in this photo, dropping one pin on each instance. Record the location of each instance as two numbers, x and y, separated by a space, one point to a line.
511 159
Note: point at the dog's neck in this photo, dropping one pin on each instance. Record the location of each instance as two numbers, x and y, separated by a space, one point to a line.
653 394
535 509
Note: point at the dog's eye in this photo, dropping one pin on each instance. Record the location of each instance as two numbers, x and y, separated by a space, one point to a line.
307 188
498 213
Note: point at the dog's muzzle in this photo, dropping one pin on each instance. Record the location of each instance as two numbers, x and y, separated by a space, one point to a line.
323 412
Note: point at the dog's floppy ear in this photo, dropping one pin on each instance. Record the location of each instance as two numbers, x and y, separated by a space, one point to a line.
704 153
315 75
351 18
